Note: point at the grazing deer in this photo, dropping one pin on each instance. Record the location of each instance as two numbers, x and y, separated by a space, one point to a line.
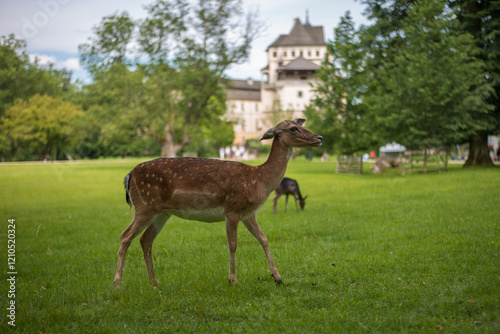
208 190
289 187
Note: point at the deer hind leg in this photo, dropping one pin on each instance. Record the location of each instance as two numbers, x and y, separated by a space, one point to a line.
133 230
147 240
232 240
275 202
254 228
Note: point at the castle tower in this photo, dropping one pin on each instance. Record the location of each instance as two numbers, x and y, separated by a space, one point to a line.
292 61
285 90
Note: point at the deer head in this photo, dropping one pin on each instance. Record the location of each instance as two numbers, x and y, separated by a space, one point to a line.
292 134
302 202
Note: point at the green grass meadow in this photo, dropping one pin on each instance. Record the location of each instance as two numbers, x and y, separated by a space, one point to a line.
370 253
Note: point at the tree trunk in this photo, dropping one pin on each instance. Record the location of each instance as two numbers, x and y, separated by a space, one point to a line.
479 154
169 147
425 160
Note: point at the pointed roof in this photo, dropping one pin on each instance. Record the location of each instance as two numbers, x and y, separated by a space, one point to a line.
300 64
301 35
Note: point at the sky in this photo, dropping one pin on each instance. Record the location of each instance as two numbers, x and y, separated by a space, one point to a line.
53 29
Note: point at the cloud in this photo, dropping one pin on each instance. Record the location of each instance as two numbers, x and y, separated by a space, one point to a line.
55 28
68 63
72 64
43 60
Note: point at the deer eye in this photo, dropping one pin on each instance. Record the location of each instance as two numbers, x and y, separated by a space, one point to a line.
294 129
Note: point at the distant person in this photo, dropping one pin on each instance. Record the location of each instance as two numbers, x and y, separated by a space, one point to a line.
373 155
221 153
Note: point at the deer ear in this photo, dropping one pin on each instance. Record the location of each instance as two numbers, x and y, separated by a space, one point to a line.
304 198
299 121
268 135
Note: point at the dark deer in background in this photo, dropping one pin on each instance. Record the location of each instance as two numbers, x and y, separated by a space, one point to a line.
289 187
208 190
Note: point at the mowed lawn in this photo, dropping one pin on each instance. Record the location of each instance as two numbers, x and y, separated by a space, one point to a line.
370 253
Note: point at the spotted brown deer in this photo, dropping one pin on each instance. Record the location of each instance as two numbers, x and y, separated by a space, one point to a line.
289 187
208 190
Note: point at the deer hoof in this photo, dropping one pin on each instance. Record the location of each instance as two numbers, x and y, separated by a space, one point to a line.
279 281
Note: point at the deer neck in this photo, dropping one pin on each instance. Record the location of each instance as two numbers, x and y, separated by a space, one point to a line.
273 170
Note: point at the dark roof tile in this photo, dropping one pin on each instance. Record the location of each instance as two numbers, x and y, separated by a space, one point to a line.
301 35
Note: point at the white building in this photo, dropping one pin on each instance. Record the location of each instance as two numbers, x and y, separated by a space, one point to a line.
285 90
244 109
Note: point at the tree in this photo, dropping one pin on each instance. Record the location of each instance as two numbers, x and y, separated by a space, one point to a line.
21 79
112 124
434 84
184 50
109 43
336 111
43 124
189 48
480 19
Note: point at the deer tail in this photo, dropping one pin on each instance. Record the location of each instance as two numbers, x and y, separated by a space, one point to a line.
126 183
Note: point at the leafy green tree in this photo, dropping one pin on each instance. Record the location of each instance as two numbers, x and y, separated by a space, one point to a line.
189 47
337 111
42 124
112 124
428 93
481 20
184 50
109 44
21 79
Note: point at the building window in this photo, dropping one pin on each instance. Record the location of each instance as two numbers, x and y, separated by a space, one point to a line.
275 54
301 53
293 53
299 93
317 53
284 54
309 53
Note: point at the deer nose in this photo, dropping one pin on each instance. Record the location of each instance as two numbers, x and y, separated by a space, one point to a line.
320 138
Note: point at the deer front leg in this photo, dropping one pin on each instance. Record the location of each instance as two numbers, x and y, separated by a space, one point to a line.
232 240
296 205
254 228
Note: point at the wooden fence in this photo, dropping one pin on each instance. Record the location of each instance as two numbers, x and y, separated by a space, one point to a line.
426 160
349 165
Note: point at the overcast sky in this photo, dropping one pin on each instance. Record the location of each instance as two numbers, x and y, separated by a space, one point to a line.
53 29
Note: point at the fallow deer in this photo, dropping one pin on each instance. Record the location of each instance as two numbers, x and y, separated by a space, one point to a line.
208 190
289 187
